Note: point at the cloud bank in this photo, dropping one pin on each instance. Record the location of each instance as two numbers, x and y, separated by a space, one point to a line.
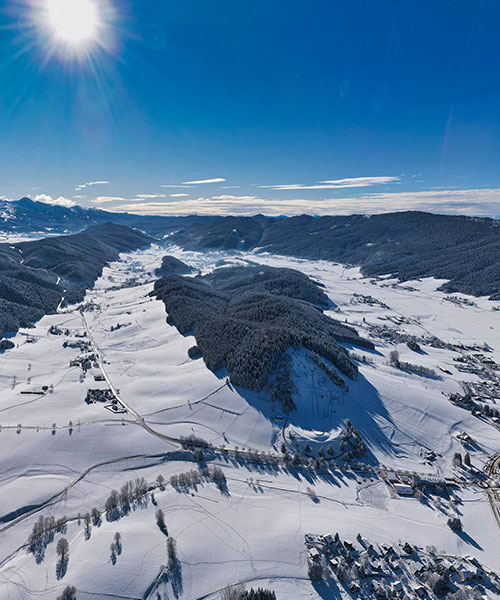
473 202
60 201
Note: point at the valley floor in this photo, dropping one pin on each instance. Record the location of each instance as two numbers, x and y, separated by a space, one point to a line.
62 456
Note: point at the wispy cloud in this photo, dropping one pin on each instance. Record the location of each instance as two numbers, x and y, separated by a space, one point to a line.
175 185
60 201
334 184
239 199
179 195
137 198
473 202
202 181
82 186
104 199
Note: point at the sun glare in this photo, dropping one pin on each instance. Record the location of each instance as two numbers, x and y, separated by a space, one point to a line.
72 21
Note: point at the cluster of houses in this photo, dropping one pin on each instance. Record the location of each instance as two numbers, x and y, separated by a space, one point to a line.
99 395
396 285
465 439
55 330
399 336
400 485
86 361
460 301
82 344
89 306
400 570
488 389
477 363
129 283
479 396
429 456
361 299
105 396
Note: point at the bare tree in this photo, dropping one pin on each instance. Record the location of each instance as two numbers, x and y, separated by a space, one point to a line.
69 593
112 555
232 592
171 552
96 517
63 558
118 542
87 526
160 521
394 358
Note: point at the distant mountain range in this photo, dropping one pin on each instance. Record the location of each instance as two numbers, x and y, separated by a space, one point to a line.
463 250
29 216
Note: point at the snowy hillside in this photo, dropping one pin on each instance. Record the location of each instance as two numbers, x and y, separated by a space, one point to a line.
104 393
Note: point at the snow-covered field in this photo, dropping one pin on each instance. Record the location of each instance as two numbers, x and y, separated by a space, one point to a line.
64 456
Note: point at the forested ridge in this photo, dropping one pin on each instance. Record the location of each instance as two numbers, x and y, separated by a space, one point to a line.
35 276
463 250
245 318
171 265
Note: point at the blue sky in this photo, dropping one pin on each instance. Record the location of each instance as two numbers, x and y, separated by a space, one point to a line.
395 103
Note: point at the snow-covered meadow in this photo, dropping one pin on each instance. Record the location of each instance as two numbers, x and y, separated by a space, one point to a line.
65 456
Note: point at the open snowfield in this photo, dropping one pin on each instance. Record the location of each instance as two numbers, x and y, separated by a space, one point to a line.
62 456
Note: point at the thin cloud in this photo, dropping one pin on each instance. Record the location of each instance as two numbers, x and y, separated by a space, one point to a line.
235 198
82 186
175 185
138 198
60 201
179 195
334 184
104 199
202 181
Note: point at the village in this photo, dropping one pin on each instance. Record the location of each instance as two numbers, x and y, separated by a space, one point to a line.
383 570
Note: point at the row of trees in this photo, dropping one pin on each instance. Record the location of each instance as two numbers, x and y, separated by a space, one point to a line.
332 373
238 592
41 536
406 366
183 482
132 494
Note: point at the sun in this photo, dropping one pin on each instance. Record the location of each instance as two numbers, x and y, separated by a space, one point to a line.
74 22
